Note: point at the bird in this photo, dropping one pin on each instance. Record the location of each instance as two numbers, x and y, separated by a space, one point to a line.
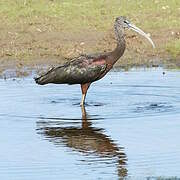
88 68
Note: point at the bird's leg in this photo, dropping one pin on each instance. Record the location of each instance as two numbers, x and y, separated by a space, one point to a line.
84 88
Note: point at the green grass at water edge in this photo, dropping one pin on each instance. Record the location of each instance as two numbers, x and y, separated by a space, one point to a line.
91 13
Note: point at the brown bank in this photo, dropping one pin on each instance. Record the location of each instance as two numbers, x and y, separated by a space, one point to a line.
30 42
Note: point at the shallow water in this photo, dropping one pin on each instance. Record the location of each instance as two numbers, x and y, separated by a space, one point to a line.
129 129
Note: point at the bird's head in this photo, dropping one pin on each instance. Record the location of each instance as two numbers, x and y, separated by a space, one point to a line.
123 23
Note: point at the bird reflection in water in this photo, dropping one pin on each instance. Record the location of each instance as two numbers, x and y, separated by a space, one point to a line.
85 139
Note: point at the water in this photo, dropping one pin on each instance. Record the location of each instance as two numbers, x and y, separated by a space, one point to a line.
129 129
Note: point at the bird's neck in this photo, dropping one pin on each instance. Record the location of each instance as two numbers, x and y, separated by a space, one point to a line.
120 48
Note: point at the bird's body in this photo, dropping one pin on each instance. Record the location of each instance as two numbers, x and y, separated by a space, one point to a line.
86 69
81 70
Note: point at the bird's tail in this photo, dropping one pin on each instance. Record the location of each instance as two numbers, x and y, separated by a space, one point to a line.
40 80
46 78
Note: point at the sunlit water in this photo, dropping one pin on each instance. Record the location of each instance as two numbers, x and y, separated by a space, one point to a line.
130 128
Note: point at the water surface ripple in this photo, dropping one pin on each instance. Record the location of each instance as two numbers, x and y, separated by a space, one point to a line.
129 129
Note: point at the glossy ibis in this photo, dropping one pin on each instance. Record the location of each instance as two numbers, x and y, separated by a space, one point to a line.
86 69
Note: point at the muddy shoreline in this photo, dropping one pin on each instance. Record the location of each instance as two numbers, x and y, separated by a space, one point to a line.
33 50
47 33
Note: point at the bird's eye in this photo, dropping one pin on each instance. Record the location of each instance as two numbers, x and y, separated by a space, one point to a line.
125 21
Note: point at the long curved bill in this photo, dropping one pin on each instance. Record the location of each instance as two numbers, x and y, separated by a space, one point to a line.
134 28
